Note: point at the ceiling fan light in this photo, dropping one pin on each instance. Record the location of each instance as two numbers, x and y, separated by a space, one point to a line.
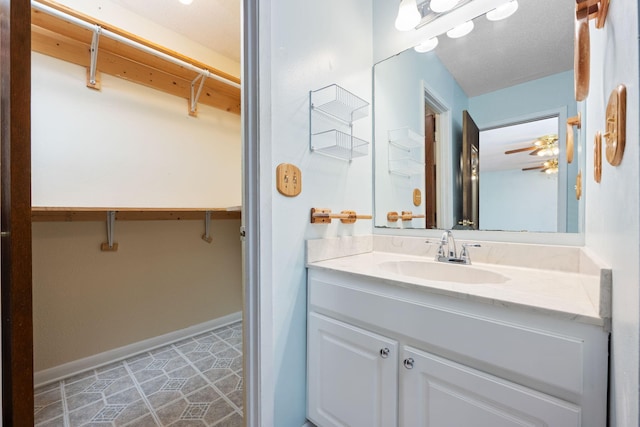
503 12
461 30
440 6
427 45
408 15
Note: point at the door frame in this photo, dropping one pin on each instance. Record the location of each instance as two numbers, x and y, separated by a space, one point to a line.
256 383
15 144
15 215
444 156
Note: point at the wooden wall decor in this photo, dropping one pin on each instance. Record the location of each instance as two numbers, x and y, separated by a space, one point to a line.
579 185
585 10
597 157
571 122
616 126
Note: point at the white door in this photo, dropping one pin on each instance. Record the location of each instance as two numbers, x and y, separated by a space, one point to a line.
437 392
352 375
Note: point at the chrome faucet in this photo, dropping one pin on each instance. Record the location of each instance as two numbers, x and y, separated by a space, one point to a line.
447 241
447 250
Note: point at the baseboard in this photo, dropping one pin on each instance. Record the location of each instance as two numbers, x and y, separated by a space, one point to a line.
57 373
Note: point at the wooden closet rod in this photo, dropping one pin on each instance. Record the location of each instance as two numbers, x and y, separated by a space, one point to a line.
75 19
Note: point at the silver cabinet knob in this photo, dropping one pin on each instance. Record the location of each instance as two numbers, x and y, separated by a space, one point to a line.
384 352
408 363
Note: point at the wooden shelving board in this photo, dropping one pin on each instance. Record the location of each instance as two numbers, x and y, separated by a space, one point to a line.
52 214
56 37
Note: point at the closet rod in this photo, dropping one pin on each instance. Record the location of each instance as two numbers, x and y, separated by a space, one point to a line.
104 32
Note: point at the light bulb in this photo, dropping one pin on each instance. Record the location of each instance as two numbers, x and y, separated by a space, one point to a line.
186 1
555 151
408 15
440 6
504 11
427 45
461 30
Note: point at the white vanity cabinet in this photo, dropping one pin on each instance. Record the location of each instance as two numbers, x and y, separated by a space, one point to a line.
451 361
437 392
354 381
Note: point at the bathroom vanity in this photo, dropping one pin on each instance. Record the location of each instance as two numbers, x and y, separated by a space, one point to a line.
401 340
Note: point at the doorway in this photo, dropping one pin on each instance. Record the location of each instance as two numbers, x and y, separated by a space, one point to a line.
431 129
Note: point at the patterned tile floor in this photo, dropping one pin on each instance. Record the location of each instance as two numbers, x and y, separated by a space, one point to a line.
193 382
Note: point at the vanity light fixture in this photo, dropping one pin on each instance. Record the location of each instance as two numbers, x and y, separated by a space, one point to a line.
461 30
427 45
408 15
503 12
440 6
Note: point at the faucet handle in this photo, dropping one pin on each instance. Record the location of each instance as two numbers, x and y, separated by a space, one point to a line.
471 245
464 255
440 243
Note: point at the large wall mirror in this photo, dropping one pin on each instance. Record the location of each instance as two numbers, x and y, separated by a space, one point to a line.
472 135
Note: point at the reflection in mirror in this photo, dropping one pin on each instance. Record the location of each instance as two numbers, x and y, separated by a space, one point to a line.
444 121
518 177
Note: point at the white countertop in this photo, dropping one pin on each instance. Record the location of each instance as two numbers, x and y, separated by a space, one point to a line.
572 295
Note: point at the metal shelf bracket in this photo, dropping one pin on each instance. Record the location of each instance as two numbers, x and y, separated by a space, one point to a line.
195 95
207 227
92 80
110 245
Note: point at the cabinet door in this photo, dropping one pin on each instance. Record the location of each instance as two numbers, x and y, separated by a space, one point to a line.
436 392
352 375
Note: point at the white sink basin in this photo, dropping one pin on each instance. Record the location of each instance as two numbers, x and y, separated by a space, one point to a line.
442 272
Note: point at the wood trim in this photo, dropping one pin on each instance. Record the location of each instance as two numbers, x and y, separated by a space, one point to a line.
63 40
53 214
15 216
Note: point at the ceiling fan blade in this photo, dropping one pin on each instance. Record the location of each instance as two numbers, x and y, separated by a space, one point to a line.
520 150
533 168
536 151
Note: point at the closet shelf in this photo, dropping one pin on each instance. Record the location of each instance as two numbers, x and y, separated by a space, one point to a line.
68 214
65 39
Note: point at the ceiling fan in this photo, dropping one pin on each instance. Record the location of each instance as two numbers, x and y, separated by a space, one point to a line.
548 167
546 145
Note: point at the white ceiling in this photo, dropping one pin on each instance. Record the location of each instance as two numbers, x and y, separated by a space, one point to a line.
212 23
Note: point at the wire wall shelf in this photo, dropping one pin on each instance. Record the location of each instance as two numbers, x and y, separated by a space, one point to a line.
406 152
332 111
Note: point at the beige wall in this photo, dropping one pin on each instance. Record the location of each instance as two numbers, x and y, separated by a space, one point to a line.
163 278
